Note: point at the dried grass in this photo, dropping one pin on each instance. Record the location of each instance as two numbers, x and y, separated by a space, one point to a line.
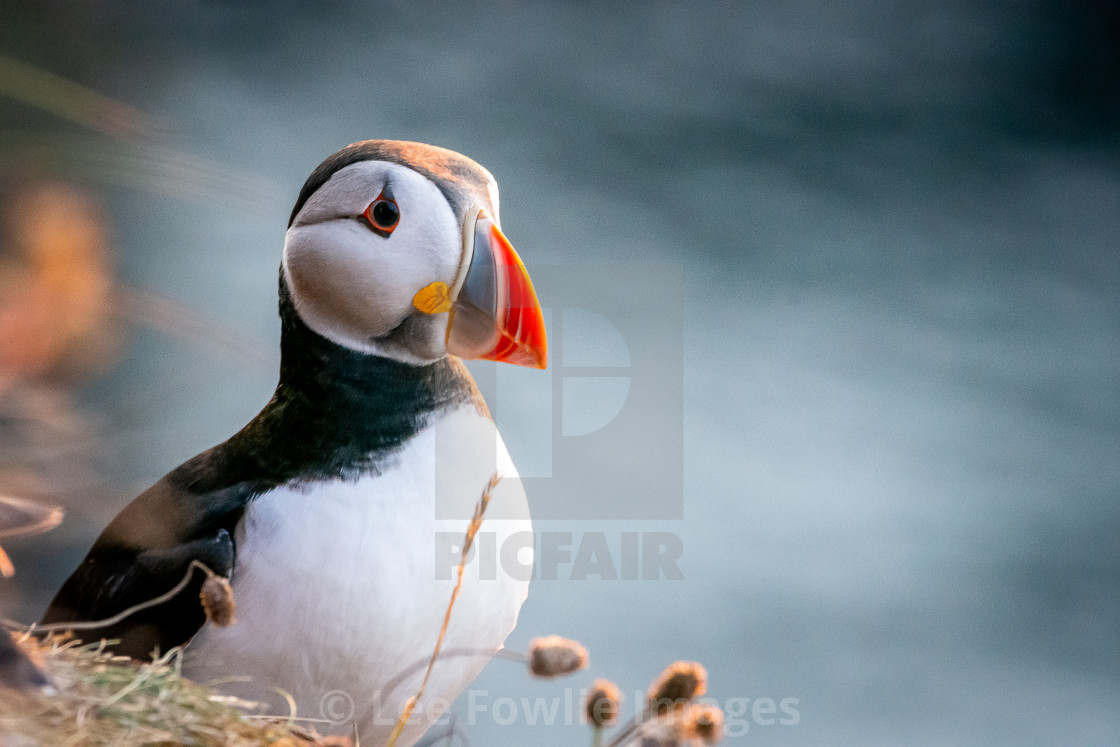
100 699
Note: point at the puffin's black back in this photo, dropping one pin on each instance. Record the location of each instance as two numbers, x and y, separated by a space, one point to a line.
335 414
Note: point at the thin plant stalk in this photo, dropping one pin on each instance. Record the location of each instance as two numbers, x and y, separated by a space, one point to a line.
472 531
94 624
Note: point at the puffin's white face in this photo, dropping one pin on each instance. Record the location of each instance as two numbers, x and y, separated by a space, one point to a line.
360 249
380 261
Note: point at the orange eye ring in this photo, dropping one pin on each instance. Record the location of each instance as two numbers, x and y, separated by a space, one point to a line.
383 215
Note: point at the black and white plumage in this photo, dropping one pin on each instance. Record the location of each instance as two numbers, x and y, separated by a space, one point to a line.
324 510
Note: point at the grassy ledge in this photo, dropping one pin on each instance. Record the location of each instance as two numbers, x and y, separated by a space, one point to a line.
96 698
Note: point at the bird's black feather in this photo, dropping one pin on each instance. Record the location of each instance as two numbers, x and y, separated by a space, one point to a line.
336 414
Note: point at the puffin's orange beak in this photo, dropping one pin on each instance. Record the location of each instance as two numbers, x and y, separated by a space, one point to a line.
495 315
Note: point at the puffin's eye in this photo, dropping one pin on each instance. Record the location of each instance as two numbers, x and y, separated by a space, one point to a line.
383 215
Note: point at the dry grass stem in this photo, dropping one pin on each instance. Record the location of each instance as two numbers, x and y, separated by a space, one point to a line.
19 516
73 102
472 532
95 624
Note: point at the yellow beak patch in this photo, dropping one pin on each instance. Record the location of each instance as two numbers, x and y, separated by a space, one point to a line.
433 299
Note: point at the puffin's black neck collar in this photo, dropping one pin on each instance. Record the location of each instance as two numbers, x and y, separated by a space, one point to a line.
320 368
336 414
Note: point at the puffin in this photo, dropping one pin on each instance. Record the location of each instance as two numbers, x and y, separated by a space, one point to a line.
327 512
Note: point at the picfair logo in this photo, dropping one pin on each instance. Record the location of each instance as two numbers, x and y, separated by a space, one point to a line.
599 433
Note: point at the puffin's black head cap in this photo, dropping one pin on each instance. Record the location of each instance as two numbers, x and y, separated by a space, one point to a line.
462 181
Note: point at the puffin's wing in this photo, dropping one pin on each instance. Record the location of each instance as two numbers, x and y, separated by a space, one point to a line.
144 553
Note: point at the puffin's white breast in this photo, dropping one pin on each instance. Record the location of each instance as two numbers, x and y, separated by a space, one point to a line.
341 587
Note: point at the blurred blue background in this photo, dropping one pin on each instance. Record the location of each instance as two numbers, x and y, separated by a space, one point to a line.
898 227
